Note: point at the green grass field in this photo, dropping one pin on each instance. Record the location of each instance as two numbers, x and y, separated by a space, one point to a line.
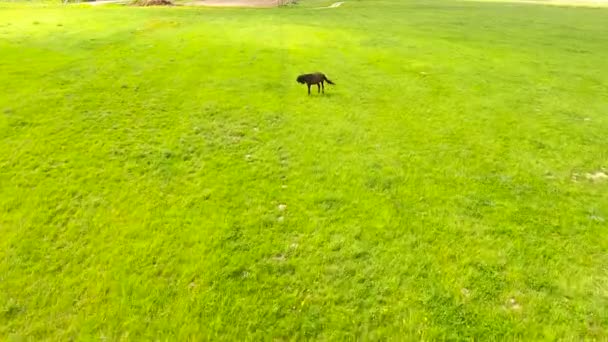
163 176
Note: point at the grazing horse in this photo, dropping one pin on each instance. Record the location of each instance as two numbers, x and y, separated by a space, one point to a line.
314 78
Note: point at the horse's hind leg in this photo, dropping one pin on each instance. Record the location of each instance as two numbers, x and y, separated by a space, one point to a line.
318 88
308 89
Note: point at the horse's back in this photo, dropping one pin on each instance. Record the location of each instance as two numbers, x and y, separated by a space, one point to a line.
317 77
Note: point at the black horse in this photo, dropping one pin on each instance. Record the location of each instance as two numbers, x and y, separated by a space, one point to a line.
314 78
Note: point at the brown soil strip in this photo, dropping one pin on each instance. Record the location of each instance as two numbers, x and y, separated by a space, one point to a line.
237 3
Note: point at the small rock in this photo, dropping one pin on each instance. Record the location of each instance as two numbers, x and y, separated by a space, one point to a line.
596 176
513 304
596 218
574 177
279 257
282 207
280 219
465 292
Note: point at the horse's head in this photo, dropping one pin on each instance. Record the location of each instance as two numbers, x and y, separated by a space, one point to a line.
300 79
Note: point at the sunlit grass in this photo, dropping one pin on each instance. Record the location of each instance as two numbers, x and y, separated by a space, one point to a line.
163 176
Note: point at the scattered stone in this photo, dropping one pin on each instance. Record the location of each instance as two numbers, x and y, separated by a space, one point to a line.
596 218
279 257
513 304
574 177
465 292
280 219
597 176
282 207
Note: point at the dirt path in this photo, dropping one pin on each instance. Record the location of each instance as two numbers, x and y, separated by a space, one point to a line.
103 2
237 3
211 3
334 5
248 3
221 3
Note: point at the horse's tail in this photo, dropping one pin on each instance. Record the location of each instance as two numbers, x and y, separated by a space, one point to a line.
327 80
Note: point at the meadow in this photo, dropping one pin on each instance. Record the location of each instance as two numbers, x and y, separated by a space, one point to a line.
164 177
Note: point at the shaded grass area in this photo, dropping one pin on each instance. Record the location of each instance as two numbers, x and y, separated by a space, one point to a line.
163 175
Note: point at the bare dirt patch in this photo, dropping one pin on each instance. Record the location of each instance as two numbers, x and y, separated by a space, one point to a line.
152 3
238 3
209 3
107 2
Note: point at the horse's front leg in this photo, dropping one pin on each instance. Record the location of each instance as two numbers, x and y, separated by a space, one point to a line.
323 87
318 88
308 89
